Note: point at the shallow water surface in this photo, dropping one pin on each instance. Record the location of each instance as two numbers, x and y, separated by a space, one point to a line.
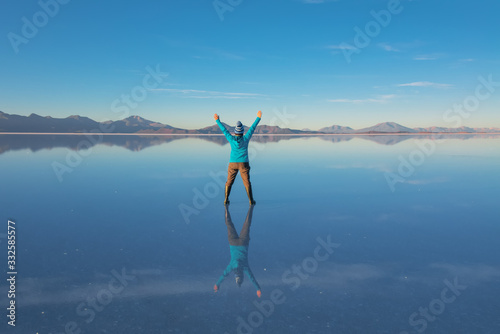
350 234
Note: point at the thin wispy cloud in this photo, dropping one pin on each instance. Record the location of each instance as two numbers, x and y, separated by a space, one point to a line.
250 82
378 167
202 51
460 63
224 54
473 273
388 47
378 99
428 181
403 46
425 84
207 94
316 1
336 49
341 46
433 56
424 58
143 72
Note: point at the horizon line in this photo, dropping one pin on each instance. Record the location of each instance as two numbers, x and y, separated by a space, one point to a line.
413 128
255 134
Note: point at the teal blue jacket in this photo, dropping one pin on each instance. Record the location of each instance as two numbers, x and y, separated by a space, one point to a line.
239 260
239 144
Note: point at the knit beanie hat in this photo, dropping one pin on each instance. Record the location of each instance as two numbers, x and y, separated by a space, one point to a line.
238 130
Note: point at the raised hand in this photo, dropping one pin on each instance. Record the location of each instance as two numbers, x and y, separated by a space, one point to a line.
259 293
216 288
259 114
216 117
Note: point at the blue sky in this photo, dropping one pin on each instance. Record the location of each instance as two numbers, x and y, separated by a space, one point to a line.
264 55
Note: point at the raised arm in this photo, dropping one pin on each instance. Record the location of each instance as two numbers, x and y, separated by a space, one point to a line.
223 276
253 280
222 127
251 130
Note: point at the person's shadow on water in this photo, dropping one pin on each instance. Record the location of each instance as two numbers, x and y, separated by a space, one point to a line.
238 247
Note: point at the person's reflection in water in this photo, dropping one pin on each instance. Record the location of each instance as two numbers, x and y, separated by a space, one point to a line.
238 246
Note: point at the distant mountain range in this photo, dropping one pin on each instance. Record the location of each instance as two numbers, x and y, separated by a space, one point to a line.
391 127
136 124
337 129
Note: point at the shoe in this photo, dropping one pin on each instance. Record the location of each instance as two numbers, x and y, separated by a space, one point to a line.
228 191
250 195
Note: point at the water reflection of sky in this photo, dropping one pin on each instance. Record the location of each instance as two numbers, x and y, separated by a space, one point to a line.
120 209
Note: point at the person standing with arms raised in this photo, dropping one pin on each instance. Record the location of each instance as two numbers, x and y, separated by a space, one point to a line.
238 160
